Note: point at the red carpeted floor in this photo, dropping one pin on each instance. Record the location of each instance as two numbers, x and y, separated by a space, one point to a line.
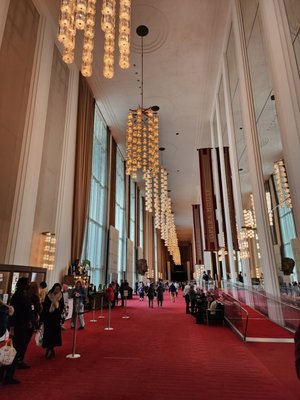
261 327
157 354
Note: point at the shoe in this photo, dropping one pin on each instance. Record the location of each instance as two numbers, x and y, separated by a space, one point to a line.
11 381
50 354
81 327
22 365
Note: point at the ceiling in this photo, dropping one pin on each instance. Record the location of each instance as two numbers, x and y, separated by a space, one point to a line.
182 55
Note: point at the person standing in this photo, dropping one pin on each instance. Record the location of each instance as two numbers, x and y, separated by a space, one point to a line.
110 294
186 295
20 323
160 294
6 371
124 287
33 293
151 295
172 291
79 299
51 317
193 299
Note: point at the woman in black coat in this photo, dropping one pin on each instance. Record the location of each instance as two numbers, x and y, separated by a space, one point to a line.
51 317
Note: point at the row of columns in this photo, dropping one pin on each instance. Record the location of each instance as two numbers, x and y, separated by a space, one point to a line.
286 87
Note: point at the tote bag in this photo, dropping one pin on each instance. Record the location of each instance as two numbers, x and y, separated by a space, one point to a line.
7 353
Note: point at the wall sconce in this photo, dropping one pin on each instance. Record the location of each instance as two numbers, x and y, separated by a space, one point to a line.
49 250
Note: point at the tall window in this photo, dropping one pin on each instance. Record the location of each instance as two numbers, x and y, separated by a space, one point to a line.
132 211
120 218
287 229
94 243
141 232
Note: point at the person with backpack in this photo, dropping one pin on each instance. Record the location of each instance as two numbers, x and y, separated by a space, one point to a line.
6 371
172 291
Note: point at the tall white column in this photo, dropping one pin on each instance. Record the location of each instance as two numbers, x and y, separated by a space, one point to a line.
20 235
225 195
253 153
286 86
234 165
217 185
64 214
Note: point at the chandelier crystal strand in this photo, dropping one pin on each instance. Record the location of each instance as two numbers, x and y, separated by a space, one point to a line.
157 202
124 33
108 22
67 29
88 41
148 194
129 138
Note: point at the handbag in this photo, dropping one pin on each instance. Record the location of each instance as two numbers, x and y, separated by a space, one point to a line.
7 353
39 336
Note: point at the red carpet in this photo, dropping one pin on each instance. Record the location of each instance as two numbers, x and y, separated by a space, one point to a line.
261 327
157 354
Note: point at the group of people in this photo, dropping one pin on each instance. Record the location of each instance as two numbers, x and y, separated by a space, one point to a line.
33 308
198 301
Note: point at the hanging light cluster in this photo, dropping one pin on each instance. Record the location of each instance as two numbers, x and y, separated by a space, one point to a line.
243 244
142 139
165 221
269 207
49 250
81 15
249 222
282 185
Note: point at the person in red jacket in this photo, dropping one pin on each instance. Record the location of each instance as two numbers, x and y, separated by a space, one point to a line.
297 351
110 294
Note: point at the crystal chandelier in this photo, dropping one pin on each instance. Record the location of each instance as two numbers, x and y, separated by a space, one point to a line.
81 15
49 250
283 190
142 137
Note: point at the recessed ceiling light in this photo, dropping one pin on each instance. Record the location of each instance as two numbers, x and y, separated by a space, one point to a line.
177 133
155 108
241 127
178 170
241 169
169 190
273 97
162 149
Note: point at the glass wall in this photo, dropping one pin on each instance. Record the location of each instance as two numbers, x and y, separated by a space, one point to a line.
120 216
132 212
269 135
141 218
94 243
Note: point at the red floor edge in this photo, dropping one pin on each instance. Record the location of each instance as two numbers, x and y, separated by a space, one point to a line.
157 353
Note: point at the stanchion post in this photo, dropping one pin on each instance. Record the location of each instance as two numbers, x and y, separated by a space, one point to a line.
94 302
73 354
109 328
101 308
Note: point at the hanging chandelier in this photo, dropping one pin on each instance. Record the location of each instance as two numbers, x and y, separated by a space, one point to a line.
142 136
81 15
281 181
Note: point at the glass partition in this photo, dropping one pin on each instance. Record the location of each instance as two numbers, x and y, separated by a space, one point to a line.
269 137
